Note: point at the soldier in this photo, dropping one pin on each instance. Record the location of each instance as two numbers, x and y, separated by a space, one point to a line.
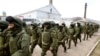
34 38
91 30
27 29
4 51
65 31
78 32
19 41
61 38
39 31
54 45
86 31
46 38
71 33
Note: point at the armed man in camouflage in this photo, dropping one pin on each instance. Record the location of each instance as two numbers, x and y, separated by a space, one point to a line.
86 31
54 35
39 31
91 30
27 29
78 32
71 33
61 38
34 38
65 31
19 40
46 38
4 49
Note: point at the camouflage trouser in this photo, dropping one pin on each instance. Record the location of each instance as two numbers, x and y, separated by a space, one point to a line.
63 45
54 51
33 44
1 53
6 51
86 35
54 48
66 40
90 34
69 42
40 42
78 37
45 48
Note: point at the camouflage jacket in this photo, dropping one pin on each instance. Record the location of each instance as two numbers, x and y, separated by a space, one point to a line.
19 44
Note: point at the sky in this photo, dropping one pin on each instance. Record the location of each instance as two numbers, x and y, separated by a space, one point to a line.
67 8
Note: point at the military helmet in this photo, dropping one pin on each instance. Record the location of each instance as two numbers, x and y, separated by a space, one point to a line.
61 28
78 24
72 25
47 24
63 24
14 20
3 25
57 25
34 25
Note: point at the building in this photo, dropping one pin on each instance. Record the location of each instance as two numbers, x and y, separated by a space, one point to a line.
46 12
3 17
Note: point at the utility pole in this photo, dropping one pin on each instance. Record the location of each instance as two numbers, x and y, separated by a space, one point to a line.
85 10
50 2
49 13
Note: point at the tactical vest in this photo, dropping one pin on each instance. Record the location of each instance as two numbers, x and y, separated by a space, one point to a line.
46 38
60 36
54 35
78 30
71 31
34 35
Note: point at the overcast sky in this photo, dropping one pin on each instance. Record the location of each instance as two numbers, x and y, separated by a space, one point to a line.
67 8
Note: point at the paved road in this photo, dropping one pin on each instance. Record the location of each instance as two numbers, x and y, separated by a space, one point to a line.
82 48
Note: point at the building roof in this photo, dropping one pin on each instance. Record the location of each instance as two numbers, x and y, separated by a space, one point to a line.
42 9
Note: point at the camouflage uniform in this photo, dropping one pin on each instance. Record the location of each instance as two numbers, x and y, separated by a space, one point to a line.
40 30
54 35
91 30
71 33
46 38
19 41
27 29
3 26
78 32
61 38
86 31
4 40
34 38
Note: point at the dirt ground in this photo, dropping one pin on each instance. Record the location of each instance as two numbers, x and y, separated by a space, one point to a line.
82 48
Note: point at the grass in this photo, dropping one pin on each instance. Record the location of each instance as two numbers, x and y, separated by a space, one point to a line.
96 51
